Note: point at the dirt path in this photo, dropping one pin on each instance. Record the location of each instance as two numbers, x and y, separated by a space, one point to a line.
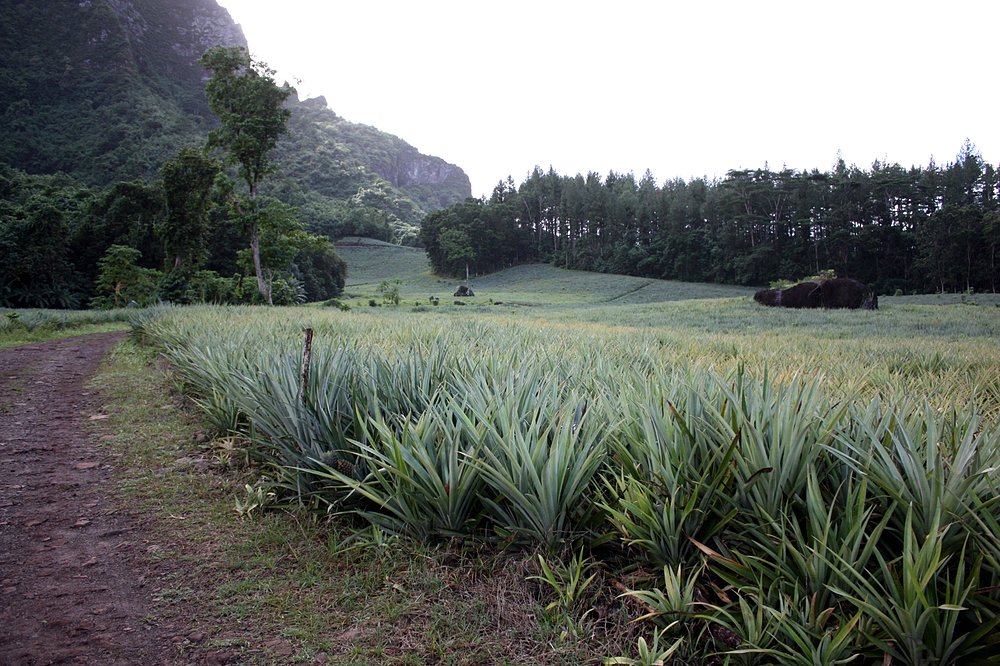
71 587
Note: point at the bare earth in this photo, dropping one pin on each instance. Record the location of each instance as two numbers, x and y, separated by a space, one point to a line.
72 585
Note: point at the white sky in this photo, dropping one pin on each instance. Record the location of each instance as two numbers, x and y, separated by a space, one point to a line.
685 89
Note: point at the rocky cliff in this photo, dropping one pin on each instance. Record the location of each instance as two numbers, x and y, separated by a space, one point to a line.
429 181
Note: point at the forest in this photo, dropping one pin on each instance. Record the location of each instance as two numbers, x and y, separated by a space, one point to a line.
179 237
901 230
66 245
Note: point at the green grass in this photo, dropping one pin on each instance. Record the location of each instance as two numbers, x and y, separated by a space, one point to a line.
19 338
987 300
26 326
538 284
369 262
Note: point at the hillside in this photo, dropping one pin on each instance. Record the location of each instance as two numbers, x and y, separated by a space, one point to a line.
107 90
530 285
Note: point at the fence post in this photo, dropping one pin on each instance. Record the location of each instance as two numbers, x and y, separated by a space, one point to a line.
304 373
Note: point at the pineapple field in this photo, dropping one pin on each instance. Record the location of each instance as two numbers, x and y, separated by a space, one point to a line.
793 487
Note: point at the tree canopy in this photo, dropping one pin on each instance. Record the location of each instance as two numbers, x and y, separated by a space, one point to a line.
187 183
67 245
242 93
250 106
933 228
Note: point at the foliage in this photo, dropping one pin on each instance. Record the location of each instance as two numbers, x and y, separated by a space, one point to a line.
250 108
36 268
207 287
83 96
57 232
648 653
19 327
321 271
122 281
351 179
568 580
389 291
252 116
126 213
930 228
324 586
87 95
187 185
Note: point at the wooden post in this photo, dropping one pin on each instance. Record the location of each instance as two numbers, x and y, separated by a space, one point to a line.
304 373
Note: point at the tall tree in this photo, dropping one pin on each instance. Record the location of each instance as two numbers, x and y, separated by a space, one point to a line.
187 185
250 107
457 248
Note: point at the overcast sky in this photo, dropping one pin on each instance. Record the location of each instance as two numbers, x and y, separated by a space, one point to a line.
682 89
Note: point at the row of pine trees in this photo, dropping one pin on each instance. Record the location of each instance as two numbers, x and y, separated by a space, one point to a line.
918 229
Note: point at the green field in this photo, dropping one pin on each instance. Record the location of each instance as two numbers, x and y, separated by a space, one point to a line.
939 347
370 262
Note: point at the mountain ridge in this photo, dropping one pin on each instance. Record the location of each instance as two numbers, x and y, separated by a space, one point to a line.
107 90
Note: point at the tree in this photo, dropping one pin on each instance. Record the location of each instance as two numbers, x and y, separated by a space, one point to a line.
320 270
991 235
35 270
187 185
280 236
127 213
389 290
120 276
457 248
250 107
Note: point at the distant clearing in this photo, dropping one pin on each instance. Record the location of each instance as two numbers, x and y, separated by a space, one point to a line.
369 262
563 291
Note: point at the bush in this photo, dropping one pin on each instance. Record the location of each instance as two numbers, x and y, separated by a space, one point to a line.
336 303
389 290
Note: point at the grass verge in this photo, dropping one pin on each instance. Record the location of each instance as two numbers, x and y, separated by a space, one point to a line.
288 586
17 337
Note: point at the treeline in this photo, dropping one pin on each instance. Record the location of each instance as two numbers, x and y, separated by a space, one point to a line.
912 229
66 245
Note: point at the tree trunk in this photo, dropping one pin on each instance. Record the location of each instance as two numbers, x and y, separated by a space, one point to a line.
993 267
262 285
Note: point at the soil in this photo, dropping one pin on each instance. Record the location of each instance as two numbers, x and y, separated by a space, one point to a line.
74 587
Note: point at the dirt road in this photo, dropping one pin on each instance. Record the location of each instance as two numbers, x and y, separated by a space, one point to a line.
72 587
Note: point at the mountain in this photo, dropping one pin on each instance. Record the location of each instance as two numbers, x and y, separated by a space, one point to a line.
107 90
